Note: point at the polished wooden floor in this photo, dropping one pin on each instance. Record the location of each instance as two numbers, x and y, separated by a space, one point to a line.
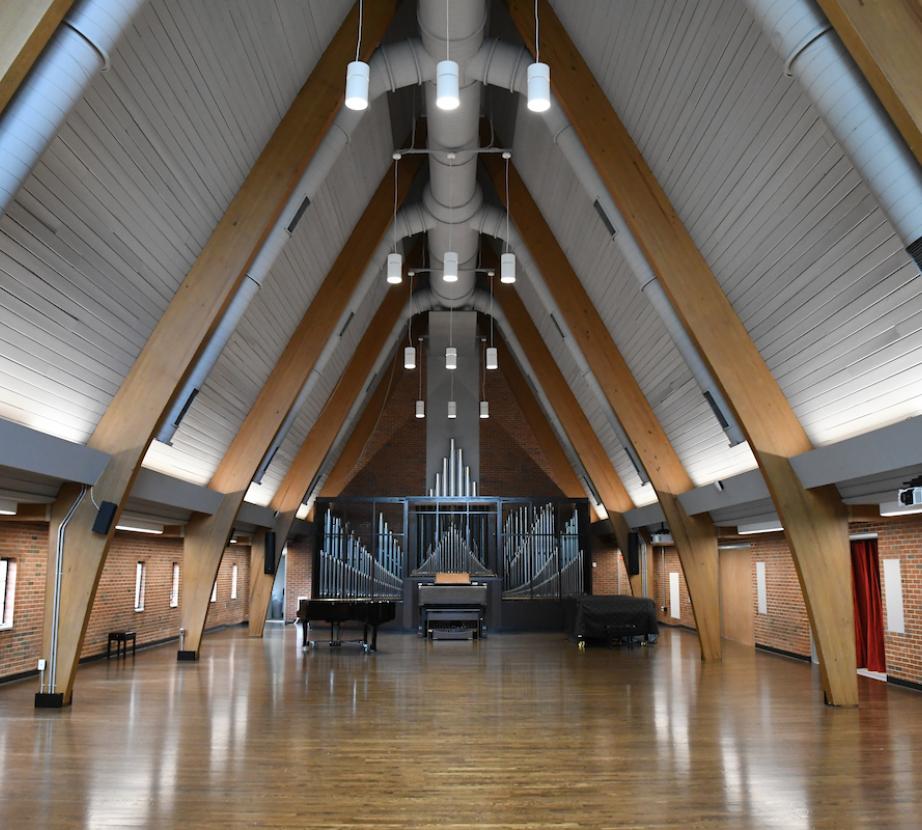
515 732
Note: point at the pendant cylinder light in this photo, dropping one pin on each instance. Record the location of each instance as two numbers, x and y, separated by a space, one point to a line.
507 268
539 87
450 267
492 358
452 409
409 357
357 76
484 409
394 268
447 96
420 409
451 358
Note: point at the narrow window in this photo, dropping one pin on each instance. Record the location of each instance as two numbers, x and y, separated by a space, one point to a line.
7 591
893 595
234 581
675 610
139 587
761 589
174 587
214 591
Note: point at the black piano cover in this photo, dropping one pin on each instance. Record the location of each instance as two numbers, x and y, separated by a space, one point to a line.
613 616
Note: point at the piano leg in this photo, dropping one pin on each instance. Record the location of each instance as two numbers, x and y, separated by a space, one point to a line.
374 638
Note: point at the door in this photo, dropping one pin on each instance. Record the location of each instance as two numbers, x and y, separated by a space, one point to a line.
736 614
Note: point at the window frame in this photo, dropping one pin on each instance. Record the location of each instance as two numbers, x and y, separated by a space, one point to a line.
233 594
140 577
7 592
174 585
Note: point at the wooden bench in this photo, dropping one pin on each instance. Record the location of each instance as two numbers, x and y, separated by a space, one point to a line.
121 639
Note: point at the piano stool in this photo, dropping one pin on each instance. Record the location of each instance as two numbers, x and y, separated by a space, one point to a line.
121 638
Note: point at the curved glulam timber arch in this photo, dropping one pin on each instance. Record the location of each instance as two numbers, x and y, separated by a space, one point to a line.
815 521
695 536
129 423
206 536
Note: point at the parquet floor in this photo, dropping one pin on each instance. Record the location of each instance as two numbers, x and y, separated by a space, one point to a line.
520 731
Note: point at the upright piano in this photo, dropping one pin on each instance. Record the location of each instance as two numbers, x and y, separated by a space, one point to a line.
370 613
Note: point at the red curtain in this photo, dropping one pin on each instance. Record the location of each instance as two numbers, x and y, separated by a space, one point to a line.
869 617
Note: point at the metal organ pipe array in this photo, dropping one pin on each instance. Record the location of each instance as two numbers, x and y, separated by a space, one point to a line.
537 562
348 570
455 478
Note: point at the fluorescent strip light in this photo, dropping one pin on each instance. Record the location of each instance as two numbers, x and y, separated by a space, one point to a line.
759 527
135 526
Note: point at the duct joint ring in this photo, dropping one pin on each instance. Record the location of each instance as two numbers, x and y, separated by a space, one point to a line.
103 54
812 36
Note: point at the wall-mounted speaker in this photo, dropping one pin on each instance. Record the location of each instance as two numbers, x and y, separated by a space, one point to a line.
633 554
269 558
104 516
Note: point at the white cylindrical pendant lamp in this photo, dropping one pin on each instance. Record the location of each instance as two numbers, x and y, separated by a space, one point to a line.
484 409
507 268
492 358
451 358
539 87
357 74
420 409
409 357
450 266
395 268
452 409
447 96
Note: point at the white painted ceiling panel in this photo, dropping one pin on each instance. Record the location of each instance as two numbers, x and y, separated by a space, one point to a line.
110 221
792 233
634 325
262 494
246 363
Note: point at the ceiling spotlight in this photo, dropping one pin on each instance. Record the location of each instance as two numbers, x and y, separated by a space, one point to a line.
452 409
492 359
447 96
357 74
420 409
507 268
395 268
539 87
450 266
409 357
451 357
484 409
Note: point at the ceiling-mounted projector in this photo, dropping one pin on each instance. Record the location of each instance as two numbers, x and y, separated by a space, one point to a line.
910 493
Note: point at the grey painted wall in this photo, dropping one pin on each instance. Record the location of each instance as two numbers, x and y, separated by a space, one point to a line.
465 429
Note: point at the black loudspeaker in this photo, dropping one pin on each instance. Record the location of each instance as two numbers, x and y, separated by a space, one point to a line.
104 517
269 560
633 554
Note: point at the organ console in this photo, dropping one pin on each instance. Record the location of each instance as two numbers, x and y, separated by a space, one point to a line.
452 608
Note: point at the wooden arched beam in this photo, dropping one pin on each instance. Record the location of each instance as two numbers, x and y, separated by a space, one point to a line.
884 38
313 451
561 470
815 521
126 429
582 436
26 26
345 467
206 536
695 536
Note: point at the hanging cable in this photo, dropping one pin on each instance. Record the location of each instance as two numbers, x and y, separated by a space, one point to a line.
537 38
506 241
358 45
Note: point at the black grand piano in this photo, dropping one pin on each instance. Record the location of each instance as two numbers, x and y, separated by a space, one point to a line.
369 613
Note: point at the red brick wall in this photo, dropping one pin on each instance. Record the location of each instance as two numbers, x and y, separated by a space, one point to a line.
786 625
609 575
666 561
511 461
113 608
28 545
394 460
298 565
